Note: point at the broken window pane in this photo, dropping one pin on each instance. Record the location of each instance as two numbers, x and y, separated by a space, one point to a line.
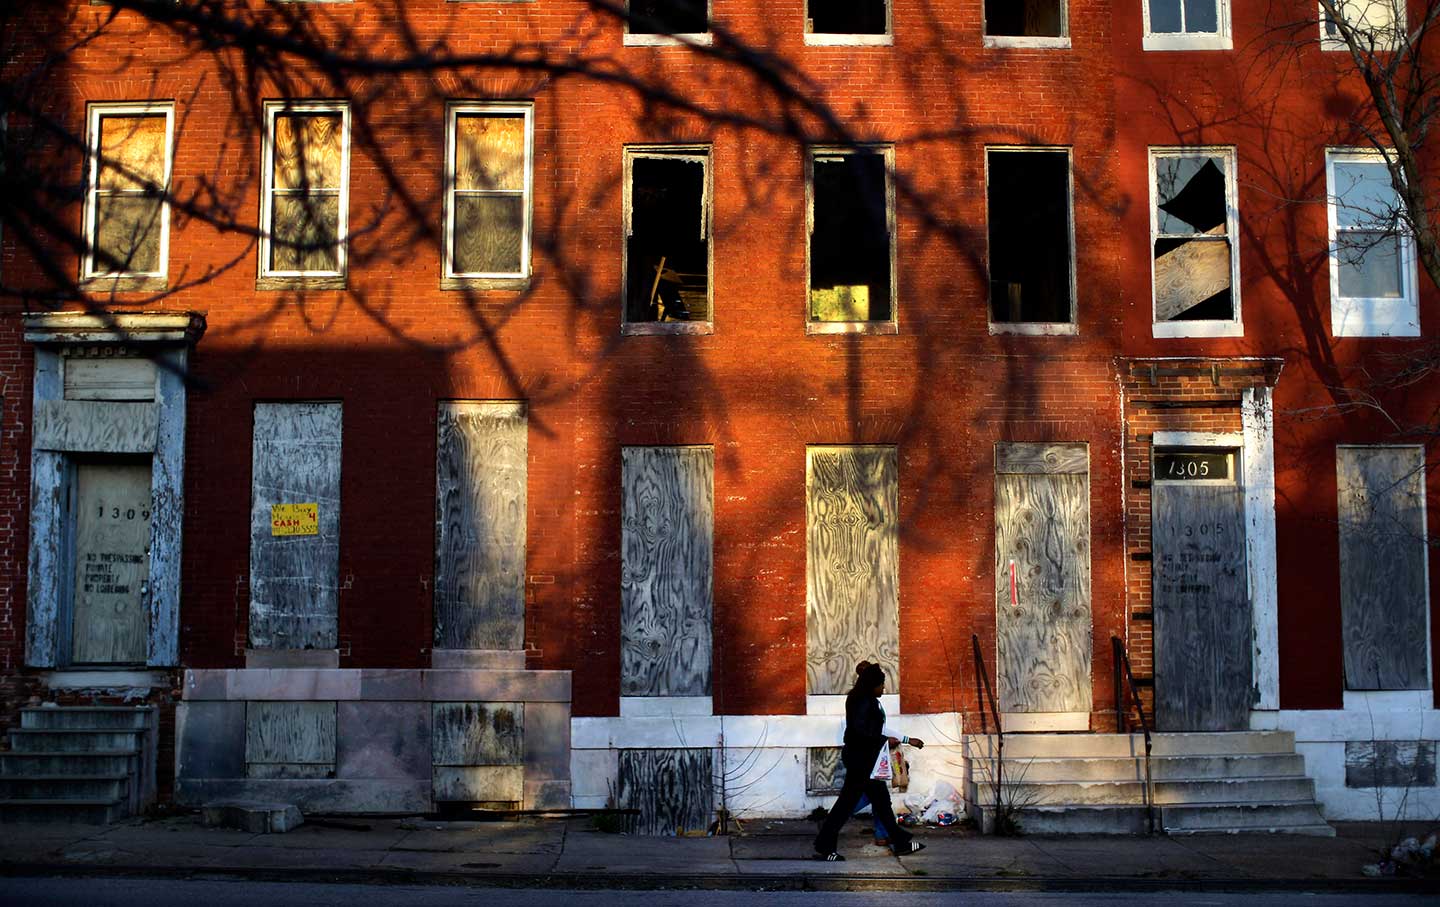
1188 17
489 201
1026 18
1193 245
669 17
850 239
668 247
847 17
1029 224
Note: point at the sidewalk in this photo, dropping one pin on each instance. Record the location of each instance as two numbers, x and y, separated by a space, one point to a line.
570 853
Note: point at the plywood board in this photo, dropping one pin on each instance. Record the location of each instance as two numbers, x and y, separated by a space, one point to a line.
852 571
290 739
1190 274
309 150
132 151
674 789
497 785
109 378
1383 595
666 570
93 427
1390 763
1042 459
824 772
1043 624
1203 638
478 733
480 492
294 579
112 563
490 151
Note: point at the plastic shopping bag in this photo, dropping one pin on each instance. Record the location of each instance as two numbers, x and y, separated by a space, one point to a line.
882 770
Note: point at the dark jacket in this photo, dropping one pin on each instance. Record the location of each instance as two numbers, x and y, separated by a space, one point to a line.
864 732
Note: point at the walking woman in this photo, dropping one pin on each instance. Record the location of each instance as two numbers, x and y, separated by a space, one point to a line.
865 735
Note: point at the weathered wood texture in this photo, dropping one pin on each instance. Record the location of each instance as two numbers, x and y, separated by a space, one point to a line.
1190 274
1202 608
294 579
290 739
112 563
824 772
1042 526
480 490
1390 763
478 733
673 789
852 565
1383 580
121 378
49 580
167 509
95 427
497 786
667 541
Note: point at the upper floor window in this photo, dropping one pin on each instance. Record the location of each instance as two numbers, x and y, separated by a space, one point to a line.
1031 241
1372 254
1187 24
1027 23
667 22
1376 25
127 215
304 200
667 239
488 177
847 22
1195 272
852 240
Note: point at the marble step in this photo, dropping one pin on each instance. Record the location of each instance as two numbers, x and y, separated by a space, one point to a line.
90 718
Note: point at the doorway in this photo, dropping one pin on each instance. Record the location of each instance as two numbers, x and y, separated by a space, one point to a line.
111 522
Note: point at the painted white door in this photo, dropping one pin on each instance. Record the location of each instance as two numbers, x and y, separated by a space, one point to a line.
112 563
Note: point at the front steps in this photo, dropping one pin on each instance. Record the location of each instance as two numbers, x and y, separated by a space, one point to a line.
1201 783
89 765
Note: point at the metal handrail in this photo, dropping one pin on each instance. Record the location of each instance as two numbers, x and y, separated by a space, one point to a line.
983 691
1122 718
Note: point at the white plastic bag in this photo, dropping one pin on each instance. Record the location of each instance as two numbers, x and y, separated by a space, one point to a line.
882 770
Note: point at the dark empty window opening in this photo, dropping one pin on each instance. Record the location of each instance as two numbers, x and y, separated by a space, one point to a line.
850 238
847 17
669 17
667 243
1026 18
1029 218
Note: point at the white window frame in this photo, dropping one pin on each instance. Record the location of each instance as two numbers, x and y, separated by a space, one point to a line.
453 111
836 39
1035 328
891 326
1044 41
680 39
1216 40
94 114
1360 316
683 152
1399 26
272 109
1233 327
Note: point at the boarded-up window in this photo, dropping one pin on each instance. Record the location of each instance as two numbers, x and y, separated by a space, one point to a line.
292 740
666 569
480 501
1384 600
129 175
669 17
850 236
307 165
1028 195
667 235
478 751
295 526
852 608
489 203
1042 577
673 789
847 17
1193 231
1026 18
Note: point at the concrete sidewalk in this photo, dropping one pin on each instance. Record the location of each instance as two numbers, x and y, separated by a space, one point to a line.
571 853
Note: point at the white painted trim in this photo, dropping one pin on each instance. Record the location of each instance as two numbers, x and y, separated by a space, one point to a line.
890 326
1389 701
814 39
1049 42
1035 327
267 179
1197 439
699 154
1031 722
1398 14
687 39
1235 326
94 114
666 706
1217 40
1257 466
106 680
1352 316
453 111
834 703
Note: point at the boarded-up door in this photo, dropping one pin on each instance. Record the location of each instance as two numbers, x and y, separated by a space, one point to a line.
665 575
852 609
1042 577
480 475
1383 582
112 562
295 526
1203 636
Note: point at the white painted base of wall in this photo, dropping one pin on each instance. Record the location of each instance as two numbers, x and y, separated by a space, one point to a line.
665 706
835 704
1030 722
136 681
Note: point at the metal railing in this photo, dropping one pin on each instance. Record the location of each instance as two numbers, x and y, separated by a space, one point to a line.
985 695
1125 681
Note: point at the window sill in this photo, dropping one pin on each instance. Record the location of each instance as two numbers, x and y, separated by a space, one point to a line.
652 328
302 282
827 40
851 327
1374 318
1188 42
1182 329
514 284
702 39
1036 328
121 283
1051 41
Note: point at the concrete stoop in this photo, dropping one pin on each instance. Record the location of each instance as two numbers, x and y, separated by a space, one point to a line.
89 765
1201 783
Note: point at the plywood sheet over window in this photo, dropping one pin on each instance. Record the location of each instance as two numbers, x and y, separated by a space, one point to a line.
1042 577
1383 581
666 570
290 740
480 491
852 609
674 789
294 578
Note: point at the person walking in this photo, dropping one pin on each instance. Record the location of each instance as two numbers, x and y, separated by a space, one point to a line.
865 738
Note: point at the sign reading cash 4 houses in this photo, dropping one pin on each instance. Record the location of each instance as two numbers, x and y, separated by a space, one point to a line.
295 519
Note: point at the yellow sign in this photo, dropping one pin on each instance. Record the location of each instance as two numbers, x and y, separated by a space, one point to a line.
294 519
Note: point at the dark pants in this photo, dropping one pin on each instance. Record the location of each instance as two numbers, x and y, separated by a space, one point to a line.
857 783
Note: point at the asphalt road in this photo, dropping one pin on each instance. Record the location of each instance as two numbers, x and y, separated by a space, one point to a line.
49 892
